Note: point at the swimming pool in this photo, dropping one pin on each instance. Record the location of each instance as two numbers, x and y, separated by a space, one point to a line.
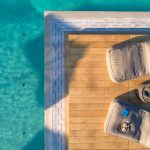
21 66
21 81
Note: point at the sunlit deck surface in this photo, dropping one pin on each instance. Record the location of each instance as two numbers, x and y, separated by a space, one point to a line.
90 92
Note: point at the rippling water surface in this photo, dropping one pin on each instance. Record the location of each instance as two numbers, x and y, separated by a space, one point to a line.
21 65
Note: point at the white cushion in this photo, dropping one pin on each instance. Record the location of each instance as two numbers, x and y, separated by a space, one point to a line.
128 61
138 118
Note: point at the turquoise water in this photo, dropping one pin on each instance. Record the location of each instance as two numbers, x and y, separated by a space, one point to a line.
21 77
21 65
92 5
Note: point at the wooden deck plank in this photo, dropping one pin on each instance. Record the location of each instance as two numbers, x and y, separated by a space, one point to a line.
88 113
87 64
90 71
86 120
86 126
81 51
97 37
91 100
86 91
94 84
87 133
93 44
90 77
88 100
136 82
76 106
133 145
90 57
100 145
103 139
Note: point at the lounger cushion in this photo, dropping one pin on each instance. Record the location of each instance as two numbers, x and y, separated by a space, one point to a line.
128 61
138 118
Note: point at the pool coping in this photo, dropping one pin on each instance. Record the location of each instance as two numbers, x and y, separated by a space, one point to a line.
57 25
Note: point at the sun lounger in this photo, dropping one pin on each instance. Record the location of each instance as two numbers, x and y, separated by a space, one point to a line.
128 121
128 61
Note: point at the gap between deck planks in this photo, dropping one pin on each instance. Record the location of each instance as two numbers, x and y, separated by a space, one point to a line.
90 92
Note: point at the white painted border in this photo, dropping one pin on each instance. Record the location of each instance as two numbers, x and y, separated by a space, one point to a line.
56 25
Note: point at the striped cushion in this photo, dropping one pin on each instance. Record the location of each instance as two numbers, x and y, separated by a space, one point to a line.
128 61
137 118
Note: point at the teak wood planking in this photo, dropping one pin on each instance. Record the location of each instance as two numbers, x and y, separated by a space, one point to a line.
90 91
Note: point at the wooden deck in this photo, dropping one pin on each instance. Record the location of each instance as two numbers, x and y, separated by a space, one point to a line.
90 92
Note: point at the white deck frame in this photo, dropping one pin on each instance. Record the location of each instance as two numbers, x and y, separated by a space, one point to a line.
57 24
